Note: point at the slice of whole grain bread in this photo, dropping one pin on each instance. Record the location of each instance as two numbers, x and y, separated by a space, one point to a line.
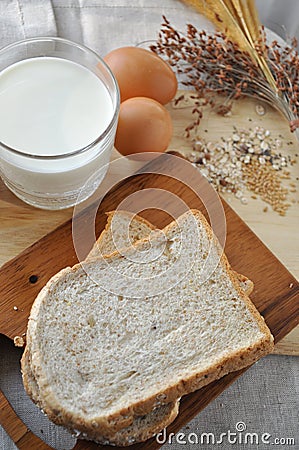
143 427
140 329
136 228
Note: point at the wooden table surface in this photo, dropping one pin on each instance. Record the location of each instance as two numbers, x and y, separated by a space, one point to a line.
21 225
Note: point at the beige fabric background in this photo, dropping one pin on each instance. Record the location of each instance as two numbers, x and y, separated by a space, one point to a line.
265 399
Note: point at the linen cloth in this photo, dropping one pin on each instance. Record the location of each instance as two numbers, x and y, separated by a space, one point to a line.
265 399
21 19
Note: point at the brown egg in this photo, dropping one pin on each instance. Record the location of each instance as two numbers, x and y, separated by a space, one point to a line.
141 73
144 125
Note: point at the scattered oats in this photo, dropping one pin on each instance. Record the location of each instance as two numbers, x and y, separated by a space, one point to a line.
15 308
198 146
291 285
265 209
248 160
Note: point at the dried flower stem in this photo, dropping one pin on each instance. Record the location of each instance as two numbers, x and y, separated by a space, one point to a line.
211 64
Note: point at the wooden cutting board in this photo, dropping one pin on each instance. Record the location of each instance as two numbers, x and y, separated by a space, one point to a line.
23 277
22 225
276 292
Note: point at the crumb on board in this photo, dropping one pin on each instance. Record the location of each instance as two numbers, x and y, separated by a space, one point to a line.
19 341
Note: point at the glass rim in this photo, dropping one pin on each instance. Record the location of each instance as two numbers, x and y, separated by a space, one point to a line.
116 108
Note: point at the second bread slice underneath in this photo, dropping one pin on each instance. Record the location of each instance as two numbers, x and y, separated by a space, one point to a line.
126 354
129 228
142 427
109 240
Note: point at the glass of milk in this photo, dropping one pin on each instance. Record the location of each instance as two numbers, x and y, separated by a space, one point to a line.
59 106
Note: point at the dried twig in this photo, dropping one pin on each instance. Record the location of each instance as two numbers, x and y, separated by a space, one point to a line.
211 64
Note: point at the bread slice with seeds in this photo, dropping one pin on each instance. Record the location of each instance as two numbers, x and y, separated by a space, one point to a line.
140 328
143 427
137 228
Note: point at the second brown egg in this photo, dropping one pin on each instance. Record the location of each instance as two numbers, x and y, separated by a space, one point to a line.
144 125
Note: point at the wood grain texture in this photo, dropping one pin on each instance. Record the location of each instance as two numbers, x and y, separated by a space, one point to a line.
22 225
276 292
274 285
190 406
280 234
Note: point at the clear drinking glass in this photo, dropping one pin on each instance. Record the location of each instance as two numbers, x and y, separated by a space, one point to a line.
54 181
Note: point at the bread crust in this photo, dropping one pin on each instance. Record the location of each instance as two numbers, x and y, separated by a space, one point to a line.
124 417
141 429
138 218
127 436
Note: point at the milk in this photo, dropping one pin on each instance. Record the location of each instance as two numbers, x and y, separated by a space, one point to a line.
50 108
